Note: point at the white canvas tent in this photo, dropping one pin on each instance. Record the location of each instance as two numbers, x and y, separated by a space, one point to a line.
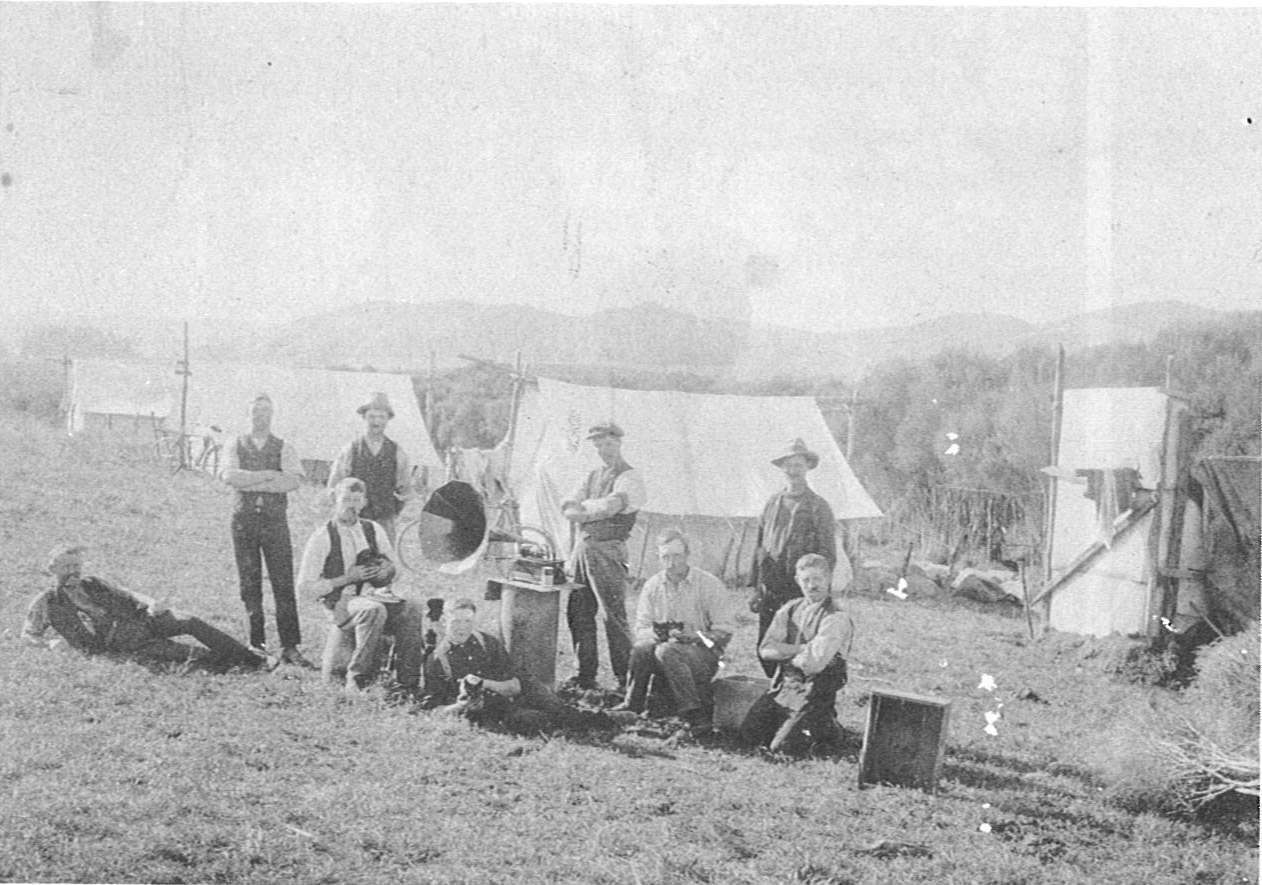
119 396
315 409
1110 528
706 462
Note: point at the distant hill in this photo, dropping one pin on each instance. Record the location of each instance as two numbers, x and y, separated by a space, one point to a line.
392 336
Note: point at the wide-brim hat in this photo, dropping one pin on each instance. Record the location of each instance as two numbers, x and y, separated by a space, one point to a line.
798 447
379 401
607 428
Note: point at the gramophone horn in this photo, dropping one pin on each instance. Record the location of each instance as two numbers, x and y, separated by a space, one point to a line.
453 528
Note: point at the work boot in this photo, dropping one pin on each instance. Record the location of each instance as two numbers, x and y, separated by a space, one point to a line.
291 655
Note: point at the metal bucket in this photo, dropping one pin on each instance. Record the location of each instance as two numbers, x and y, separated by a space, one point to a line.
733 696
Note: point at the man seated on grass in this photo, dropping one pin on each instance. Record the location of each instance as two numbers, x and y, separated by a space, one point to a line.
348 565
682 625
470 674
96 617
809 639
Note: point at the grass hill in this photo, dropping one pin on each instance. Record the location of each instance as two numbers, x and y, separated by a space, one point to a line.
113 773
401 336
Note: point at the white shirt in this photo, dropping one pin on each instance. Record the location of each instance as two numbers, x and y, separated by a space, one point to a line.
352 539
700 601
826 634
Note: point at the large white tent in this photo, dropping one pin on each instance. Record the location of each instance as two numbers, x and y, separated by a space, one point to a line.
315 409
1108 547
706 462
109 394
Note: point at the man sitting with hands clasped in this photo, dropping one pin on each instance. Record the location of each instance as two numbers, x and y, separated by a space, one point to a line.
348 565
809 639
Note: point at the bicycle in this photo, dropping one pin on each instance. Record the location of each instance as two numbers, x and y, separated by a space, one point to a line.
177 449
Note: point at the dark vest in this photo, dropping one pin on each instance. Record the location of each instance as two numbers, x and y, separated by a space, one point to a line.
268 458
614 528
334 564
379 473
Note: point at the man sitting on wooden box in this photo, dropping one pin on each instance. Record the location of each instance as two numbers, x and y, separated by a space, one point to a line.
809 639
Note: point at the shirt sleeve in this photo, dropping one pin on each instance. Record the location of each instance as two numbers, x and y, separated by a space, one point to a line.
833 638
36 623
316 551
230 460
631 486
341 466
403 474
778 631
642 631
289 460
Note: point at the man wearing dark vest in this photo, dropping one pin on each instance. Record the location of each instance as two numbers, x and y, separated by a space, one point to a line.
348 565
603 509
96 617
795 522
380 462
808 643
264 469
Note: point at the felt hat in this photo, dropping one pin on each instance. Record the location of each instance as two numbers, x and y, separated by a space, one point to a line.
798 447
379 401
607 428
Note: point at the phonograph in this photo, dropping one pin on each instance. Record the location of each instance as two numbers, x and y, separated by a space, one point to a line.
454 532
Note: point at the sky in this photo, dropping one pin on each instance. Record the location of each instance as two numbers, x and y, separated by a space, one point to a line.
824 167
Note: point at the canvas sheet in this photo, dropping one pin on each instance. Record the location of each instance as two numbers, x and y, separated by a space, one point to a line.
314 409
700 454
1102 428
110 387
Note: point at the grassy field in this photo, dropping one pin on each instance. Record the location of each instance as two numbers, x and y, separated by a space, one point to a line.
112 773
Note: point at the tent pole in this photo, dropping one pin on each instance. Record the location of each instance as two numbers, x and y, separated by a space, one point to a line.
510 440
1058 408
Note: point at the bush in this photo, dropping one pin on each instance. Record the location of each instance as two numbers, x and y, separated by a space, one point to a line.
1185 754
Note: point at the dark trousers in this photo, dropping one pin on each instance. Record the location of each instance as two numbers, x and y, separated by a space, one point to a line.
149 639
601 568
255 538
777 589
812 701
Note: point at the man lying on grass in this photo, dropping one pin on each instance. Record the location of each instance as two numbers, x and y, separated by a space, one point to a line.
96 617
809 639
470 674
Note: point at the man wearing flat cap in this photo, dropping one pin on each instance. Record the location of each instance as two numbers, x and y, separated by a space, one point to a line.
603 509
381 463
795 522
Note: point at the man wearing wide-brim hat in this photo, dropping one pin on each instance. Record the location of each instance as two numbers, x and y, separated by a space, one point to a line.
380 462
795 521
603 509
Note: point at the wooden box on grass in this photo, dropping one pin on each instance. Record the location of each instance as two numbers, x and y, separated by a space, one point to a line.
904 740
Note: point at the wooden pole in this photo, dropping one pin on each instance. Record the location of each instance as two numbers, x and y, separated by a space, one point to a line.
854 402
183 370
1058 407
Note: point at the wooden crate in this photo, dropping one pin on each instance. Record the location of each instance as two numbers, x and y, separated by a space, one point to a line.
904 740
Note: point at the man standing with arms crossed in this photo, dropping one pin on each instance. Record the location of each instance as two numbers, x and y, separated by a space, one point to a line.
264 469
603 509
795 522
382 465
